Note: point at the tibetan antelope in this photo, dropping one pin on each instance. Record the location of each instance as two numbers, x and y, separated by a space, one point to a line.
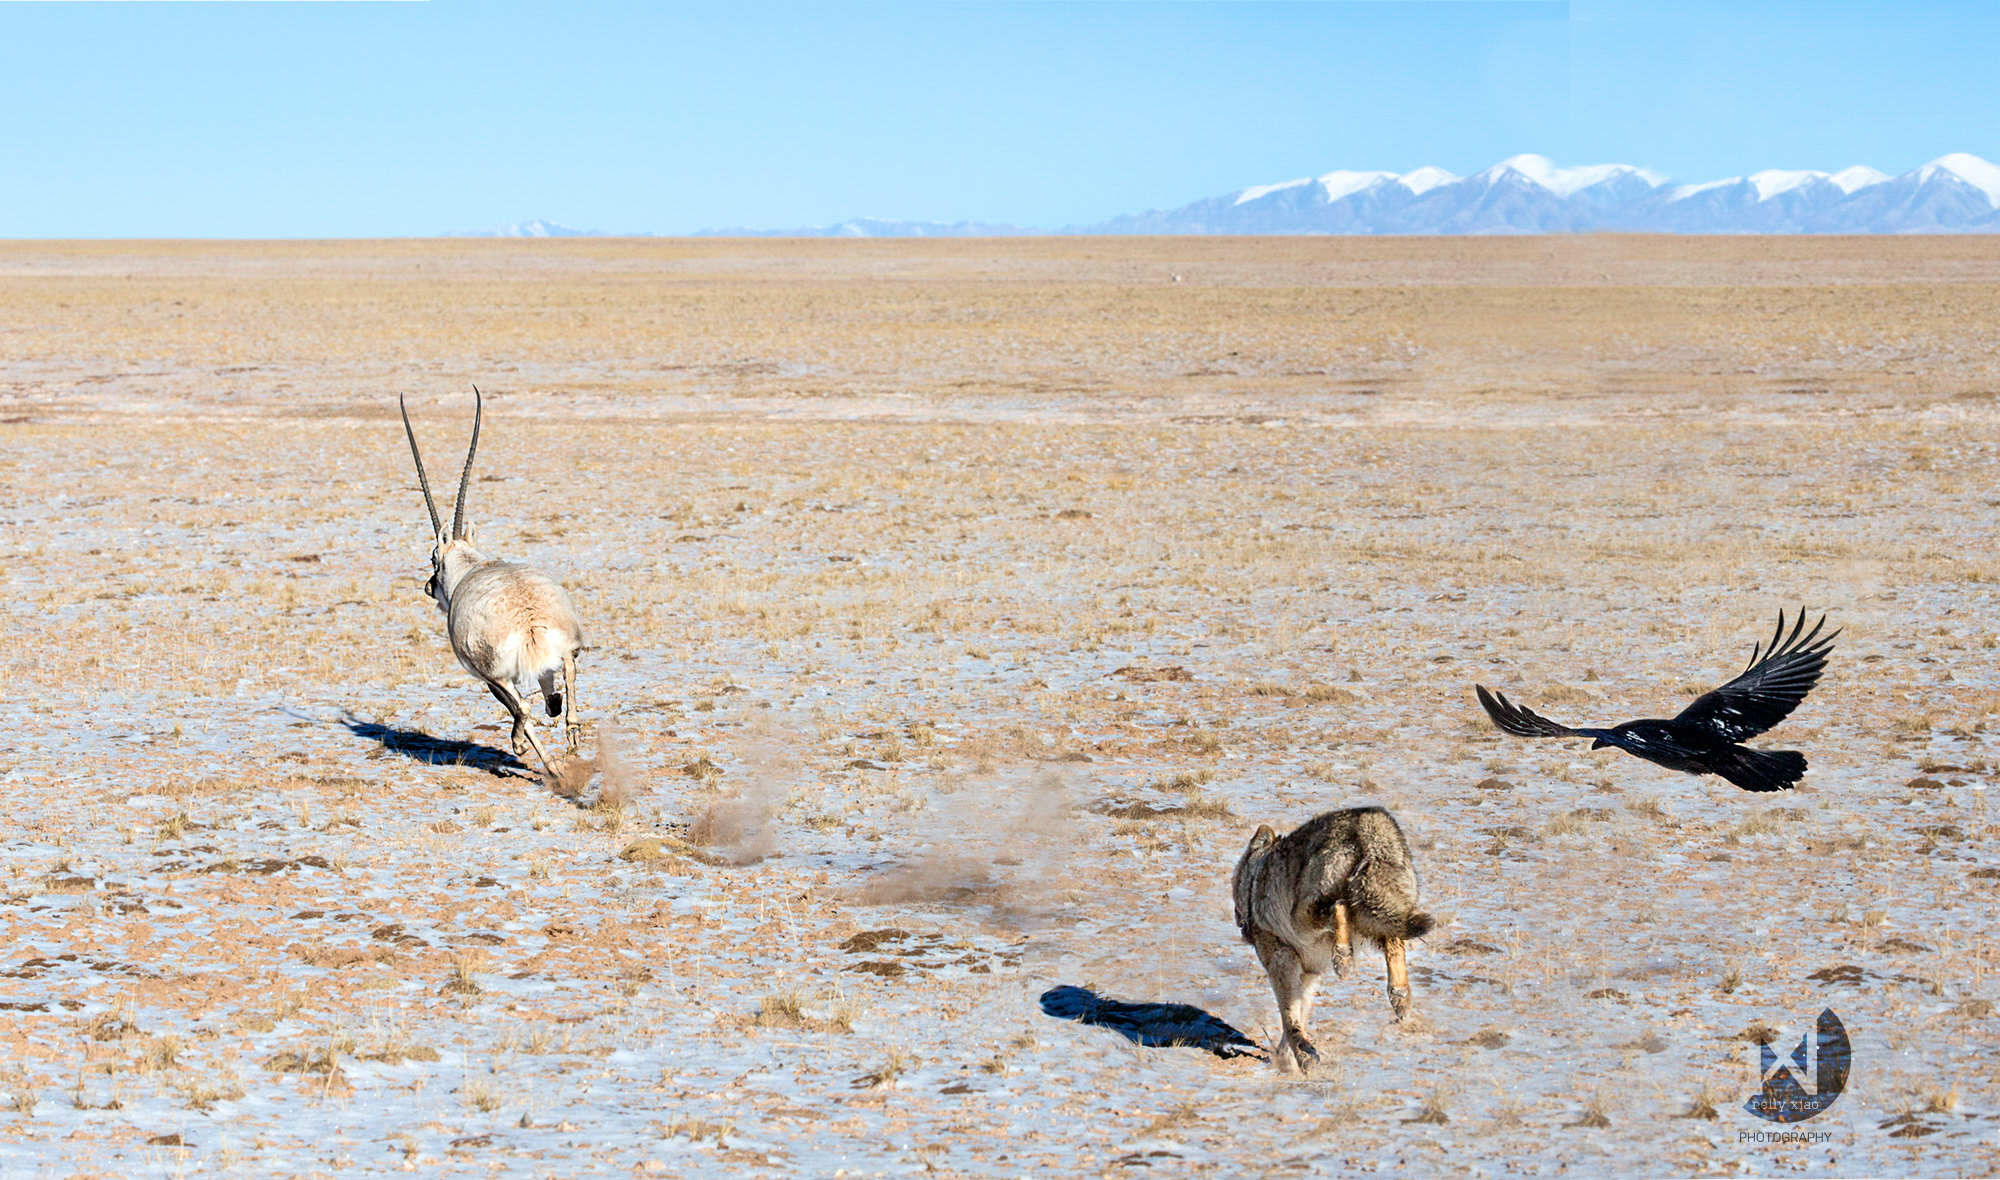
1301 898
510 625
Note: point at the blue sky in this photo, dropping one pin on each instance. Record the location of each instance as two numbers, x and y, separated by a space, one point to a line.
343 120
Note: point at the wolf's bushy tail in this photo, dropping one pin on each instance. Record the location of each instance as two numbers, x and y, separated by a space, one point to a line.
1417 924
1762 770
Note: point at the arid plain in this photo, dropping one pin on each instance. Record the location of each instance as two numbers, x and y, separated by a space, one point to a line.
956 610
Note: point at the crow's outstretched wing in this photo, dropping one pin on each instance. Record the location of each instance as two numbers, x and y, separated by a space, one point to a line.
1519 721
1769 689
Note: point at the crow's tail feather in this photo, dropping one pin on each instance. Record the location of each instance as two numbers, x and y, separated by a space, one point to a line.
1761 770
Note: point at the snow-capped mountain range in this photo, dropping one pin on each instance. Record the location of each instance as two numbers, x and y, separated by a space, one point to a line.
533 229
878 227
1958 193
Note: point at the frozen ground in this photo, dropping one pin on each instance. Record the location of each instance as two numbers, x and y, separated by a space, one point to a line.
929 712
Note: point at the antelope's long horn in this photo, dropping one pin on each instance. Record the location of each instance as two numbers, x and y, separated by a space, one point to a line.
423 481
465 479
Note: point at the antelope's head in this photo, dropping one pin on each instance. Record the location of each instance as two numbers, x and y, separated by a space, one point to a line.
453 551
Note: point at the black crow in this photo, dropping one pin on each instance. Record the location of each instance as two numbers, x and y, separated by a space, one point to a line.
1704 738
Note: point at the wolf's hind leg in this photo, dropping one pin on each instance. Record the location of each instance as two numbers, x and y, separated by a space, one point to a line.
1295 1052
1343 942
1308 990
1399 977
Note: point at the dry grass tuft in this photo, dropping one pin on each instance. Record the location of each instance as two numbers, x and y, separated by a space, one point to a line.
1432 1111
1650 807
1185 1114
464 966
793 1010
478 1093
1593 1113
201 1094
1703 1104
884 1077
1567 694
1206 808
1328 694
698 1129
23 1095
1188 782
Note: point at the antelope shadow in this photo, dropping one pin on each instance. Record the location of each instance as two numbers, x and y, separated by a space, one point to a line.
434 751
1157 1026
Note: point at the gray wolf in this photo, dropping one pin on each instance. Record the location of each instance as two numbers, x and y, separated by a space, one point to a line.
1302 897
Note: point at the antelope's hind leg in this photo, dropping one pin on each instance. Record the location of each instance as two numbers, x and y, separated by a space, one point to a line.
514 711
522 726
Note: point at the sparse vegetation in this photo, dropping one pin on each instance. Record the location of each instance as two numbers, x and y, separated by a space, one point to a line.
864 642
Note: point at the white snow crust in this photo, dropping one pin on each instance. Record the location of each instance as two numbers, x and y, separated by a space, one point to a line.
1683 192
1426 178
1265 190
1969 168
1772 181
1565 181
1343 184
1852 180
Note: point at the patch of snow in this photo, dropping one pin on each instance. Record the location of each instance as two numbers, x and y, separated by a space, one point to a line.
1772 181
1425 179
1565 181
1342 184
1860 176
538 228
1969 168
1688 190
1264 190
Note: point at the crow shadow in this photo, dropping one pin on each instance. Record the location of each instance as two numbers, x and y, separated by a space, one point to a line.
1152 1025
435 751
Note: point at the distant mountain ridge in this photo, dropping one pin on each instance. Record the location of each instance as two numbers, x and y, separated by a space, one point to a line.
1957 193
534 229
877 227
